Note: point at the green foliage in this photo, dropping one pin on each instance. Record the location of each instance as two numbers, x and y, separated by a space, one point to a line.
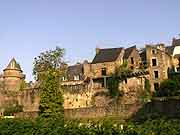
161 126
113 86
167 88
51 103
49 67
52 59
145 95
120 74
23 85
150 127
9 110
123 71
176 78
28 127
48 127
147 85
16 127
170 87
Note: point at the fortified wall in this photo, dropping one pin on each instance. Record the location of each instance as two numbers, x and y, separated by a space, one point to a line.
86 88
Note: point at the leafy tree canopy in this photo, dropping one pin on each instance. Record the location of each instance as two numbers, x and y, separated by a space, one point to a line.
167 88
48 67
48 60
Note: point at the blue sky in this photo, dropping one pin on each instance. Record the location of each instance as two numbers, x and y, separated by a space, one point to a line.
28 27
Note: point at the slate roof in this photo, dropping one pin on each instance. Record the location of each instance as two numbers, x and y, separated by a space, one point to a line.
128 52
107 55
177 56
13 65
176 42
74 71
143 55
169 49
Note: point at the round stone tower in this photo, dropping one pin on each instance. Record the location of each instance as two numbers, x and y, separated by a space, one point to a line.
13 76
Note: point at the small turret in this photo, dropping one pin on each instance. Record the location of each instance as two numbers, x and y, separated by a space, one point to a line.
13 76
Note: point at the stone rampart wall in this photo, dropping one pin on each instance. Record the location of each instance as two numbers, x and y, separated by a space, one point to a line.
123 111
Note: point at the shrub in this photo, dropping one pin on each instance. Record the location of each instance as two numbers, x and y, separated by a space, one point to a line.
167 88
11 109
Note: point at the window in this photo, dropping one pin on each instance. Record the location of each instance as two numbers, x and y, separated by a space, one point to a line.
156 74
132 67
178 69
103 71
132 60
156 86
154 62
76 77
153 51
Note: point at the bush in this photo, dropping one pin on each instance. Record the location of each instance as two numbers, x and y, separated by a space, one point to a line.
11 109
167 88
160 126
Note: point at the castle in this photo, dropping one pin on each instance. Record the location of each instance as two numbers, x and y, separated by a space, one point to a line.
86 84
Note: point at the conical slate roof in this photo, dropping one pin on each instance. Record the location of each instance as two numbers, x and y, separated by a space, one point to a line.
13 65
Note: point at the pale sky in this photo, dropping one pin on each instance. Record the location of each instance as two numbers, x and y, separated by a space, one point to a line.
28 27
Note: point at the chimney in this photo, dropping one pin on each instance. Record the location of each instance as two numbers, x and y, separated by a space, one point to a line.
174 42
97 50
85 62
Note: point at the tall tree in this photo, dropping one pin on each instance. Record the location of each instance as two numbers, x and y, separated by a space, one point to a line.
48 60
51 103
47 69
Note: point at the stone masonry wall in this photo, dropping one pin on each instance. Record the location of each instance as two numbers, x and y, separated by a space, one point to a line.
163 63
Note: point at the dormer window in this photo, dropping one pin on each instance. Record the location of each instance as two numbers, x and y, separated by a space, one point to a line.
76 77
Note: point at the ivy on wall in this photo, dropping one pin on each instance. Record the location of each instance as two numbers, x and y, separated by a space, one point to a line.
12 108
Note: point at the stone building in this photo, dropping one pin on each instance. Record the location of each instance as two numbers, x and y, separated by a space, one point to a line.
153 63
78 89
161 60
107 61
158 63
132 57
84 81
15 91
174 52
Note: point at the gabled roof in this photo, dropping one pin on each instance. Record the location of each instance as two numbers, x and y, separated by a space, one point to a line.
13 65
169 49
143 54
107 55
128 51
75 70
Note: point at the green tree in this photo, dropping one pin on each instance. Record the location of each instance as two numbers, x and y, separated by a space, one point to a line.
51 103
49 60
121 73
167 88
145 95
12 108
50 66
